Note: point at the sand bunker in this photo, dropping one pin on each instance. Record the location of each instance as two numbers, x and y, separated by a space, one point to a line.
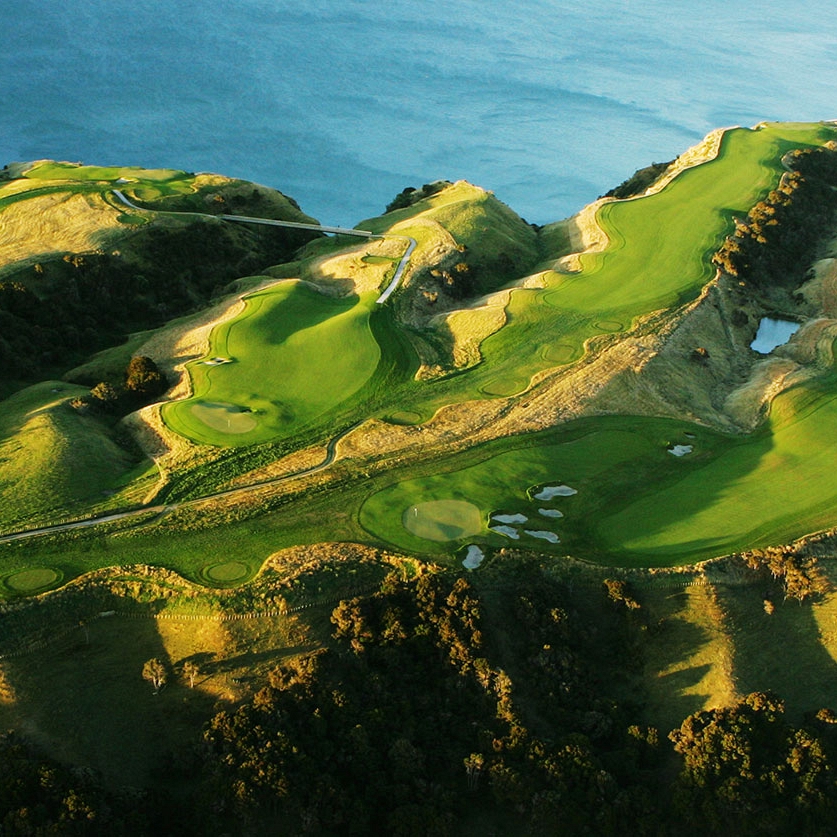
473 558
443 520
544 535
681 450
550 512
508 531
550 491
509 518
226 418
216 361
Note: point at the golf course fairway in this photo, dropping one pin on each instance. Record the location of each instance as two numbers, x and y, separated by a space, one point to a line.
657 256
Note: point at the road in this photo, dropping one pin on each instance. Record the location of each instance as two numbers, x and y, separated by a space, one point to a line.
86 523
331 444
297 225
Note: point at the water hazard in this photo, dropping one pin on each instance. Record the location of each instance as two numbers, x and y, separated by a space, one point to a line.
773 333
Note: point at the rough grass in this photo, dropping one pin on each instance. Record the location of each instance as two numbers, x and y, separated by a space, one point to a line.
52 458
708 644
688 650
83 697
57 208
59 222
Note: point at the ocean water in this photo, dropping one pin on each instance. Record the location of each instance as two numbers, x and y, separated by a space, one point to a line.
342 104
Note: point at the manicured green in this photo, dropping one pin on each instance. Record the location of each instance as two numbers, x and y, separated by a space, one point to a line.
227 572
590 456
294 354
658 256
71 171
31 581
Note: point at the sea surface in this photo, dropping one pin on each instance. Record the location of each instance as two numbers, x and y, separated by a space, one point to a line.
343 103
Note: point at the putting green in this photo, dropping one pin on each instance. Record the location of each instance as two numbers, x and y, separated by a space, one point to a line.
443 520
226 418
298 354
227 572
504 387
31 581
583 456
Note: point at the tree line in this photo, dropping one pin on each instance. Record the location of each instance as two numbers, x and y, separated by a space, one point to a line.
55 313
423 716
775 245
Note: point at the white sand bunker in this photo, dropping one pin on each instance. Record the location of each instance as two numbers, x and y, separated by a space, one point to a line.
443 520
681 450
216 361
550 512
227 418
473 558
509 518
550 491
508 531
546 536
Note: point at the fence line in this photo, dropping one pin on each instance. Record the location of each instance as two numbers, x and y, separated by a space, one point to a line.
190 617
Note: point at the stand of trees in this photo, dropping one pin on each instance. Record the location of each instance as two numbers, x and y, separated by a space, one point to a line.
774 246
55 313
142 383
425 717
408 725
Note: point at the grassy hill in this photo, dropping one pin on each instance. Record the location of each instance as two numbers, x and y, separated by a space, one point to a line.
525 392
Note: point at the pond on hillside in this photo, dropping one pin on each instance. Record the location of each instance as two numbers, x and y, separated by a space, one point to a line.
773 333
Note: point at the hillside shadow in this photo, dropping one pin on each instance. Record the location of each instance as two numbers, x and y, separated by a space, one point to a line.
671 678
732 465
782 652
83 700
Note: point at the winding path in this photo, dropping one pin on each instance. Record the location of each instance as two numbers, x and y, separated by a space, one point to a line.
330 445
298 225
87 522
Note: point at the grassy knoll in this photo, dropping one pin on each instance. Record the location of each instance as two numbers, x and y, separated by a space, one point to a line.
707 642
53 460
83 697
493 239
293 355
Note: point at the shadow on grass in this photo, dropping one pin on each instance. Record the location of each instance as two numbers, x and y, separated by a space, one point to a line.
82 698
782 652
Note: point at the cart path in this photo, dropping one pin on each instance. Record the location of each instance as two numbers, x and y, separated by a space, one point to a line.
298 225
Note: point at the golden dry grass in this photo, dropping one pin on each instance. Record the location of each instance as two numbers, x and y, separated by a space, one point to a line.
358 269
55 223
689 652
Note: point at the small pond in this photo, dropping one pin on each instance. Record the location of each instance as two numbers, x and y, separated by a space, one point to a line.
773 333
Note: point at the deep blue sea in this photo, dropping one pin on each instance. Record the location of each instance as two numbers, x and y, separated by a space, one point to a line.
343 103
